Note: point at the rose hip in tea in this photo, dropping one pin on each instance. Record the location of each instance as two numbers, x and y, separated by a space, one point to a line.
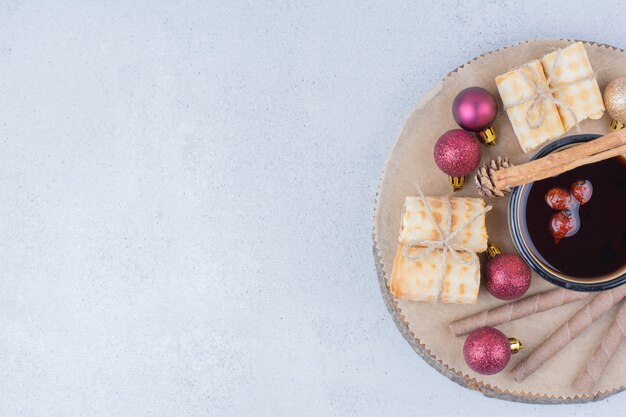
582 191
559 198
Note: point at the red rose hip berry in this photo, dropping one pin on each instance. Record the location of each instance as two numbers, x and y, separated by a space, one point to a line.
563 224
559 198
582 190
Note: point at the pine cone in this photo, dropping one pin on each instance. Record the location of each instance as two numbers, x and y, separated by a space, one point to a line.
484 178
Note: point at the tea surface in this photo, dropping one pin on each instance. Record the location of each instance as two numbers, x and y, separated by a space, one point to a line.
599 246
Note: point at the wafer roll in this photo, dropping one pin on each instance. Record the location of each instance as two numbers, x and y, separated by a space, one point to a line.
417 226
570 330
603 354
516 93
574 85
516 310
424 280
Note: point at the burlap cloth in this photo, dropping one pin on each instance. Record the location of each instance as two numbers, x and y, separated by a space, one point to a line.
425 325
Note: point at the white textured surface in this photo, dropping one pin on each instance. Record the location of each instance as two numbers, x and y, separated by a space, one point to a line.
187 194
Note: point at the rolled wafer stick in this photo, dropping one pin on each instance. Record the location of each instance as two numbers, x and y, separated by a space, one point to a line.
570 330
603 353
516 310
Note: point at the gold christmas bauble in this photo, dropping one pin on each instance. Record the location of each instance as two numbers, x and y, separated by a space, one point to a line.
615 99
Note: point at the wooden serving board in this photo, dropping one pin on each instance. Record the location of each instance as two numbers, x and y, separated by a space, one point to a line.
425 325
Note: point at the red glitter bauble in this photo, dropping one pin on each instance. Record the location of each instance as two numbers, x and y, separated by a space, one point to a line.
507 276
487 350
457 153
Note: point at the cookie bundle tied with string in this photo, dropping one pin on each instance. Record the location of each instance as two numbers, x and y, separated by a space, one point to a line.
547 97
436 258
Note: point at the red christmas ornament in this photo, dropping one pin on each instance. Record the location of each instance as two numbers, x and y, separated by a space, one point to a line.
457 153
475 109
507 275
488 351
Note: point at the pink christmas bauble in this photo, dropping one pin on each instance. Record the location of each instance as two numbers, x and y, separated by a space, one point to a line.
487 350
457 153
507 276
474 109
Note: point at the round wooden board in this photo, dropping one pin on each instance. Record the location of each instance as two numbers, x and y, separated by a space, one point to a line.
384 219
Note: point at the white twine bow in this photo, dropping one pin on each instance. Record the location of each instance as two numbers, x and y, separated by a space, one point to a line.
545 93
445 239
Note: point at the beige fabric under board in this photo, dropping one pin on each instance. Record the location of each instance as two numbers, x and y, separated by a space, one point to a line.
411 161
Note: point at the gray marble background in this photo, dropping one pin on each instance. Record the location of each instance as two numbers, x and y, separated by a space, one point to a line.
187 195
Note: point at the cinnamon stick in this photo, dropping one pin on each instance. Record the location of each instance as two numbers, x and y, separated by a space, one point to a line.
570 330
516 310
603 353
605 147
